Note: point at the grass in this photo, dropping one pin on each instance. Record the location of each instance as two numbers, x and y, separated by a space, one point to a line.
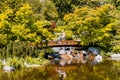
16 53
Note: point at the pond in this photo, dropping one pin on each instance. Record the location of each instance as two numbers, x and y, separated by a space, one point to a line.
101 71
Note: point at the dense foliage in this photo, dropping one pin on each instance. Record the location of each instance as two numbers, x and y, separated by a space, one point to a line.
91 25
17 23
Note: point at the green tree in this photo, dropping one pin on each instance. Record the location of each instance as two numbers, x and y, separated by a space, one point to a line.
92 26
18 24
67 6
115 41
45 9
42 30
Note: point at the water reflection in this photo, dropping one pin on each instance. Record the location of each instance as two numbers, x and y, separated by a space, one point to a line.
61 72
102 71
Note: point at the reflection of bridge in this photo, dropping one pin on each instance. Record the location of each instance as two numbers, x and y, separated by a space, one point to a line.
63 43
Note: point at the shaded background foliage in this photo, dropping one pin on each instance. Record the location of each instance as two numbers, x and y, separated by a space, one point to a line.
94 22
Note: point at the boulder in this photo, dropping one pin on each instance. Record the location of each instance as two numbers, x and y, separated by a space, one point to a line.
115 56
94 50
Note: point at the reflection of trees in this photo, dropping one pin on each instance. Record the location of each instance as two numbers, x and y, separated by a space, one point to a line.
107 70
100 71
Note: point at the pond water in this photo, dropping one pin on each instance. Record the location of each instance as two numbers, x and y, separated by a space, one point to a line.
101 71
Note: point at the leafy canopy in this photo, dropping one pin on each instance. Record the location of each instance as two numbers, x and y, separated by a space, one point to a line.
91 25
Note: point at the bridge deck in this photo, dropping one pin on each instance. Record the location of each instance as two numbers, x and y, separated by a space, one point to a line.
63 43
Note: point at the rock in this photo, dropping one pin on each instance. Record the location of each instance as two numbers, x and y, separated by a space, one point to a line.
31 65
94 50
115 56
8 68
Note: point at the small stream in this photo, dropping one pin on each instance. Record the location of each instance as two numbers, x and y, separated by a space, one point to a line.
101 71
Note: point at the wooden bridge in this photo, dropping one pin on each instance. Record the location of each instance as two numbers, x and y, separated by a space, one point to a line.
63 43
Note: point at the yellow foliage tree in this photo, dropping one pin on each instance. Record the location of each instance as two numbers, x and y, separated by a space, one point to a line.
92 25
